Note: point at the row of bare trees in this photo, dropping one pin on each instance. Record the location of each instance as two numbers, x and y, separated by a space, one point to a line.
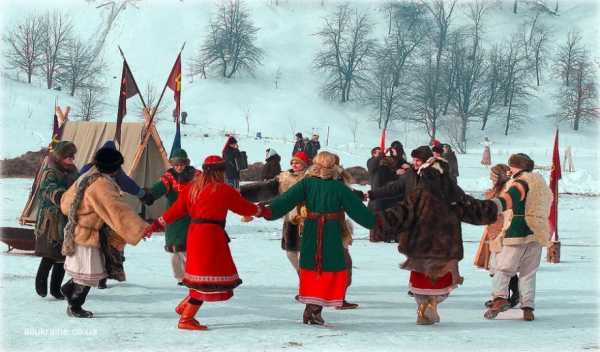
430 71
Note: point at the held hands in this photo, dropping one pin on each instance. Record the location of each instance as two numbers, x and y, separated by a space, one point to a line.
263 211
247 218
156 226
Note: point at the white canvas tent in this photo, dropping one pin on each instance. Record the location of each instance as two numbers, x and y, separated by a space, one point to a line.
145 160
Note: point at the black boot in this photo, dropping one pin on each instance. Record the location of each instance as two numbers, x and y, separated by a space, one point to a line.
102 284
41 278
76 300
513 286
58 273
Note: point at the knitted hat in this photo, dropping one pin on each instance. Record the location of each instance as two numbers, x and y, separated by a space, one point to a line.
179 156
301 157
64 149
108 160
437 149
422 153
521 161
213 162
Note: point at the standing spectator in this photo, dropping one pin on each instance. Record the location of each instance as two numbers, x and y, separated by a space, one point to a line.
183 117
59 173
231 155
486 158
299 146
272 166
437 151
313 147
450 157
434 142
398 151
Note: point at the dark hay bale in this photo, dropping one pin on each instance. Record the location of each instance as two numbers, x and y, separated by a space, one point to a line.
22 166
252 173
359 174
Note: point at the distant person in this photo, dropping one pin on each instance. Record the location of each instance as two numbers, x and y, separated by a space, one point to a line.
299 146
58 175
450 157
184 115
313 147
486 158
231 156
272 165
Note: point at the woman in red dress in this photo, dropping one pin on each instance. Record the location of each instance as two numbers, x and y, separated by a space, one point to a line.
210 272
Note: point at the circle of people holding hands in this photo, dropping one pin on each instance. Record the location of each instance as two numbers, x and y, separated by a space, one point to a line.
83 224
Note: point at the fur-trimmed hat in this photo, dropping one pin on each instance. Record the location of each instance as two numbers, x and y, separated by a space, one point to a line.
422 153
108 160
437 149
521 161
64 149
301 157
213 162
271 152
179 155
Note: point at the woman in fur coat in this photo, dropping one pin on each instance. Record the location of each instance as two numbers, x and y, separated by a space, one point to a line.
58 175
94 200
323 271
210 272
499 175
428 223
266 191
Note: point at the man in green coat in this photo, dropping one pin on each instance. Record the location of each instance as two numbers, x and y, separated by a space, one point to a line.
323 271
58 174
170 184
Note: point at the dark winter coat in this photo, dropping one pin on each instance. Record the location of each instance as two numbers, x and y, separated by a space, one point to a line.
382 170
231 157
299 146
396 189
450 156
50 222
271 168
312 148
428 221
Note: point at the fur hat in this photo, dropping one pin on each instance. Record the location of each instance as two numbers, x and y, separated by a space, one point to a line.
180 155
108 160
64 149
521 161
422 153
213 162
299 135
271 153
437 149
301 157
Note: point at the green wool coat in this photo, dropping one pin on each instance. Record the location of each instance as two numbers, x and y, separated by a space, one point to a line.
323 196
175 233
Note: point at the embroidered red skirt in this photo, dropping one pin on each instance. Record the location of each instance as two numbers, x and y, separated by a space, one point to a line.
420 284
326 289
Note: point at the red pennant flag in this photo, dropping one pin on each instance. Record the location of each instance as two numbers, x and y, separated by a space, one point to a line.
555 175
128 90
382 141
174 82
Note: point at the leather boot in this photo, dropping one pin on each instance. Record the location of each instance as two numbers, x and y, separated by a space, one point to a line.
181 305
41 278
187 321
76 300
498 305
58 273
347 305
528 314
431 310
102 284
312 315
422 318
67 289
513 286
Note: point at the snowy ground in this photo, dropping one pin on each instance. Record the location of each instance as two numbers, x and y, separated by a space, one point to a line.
263 316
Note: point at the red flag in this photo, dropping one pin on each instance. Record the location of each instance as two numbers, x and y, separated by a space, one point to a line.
382 141
174 82
555 175
128 90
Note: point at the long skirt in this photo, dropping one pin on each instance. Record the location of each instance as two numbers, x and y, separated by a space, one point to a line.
326 289
86 266
420 284
486 158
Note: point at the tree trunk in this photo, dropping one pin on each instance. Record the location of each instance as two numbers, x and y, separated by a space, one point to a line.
515 7
537 72
509 112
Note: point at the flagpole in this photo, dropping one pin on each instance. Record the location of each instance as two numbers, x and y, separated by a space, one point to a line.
132 78
164 89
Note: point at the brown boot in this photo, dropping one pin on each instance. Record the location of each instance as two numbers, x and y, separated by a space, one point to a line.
498 305
187 321
528 314
312 315
431 310
347 305
181 305
422 318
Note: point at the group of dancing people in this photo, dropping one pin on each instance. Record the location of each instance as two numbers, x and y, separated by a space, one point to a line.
80 214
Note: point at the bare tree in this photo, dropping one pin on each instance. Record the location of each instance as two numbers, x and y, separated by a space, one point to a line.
569 54
90 103
24 45
57 33
151 96
539 43
493 81
112 10
230 42
346 48
516 86
389 77
579 100
431 95
79 68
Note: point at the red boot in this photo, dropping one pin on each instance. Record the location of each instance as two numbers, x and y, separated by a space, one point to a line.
181 305
187 321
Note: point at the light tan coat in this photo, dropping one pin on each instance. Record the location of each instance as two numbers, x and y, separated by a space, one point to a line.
102 204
